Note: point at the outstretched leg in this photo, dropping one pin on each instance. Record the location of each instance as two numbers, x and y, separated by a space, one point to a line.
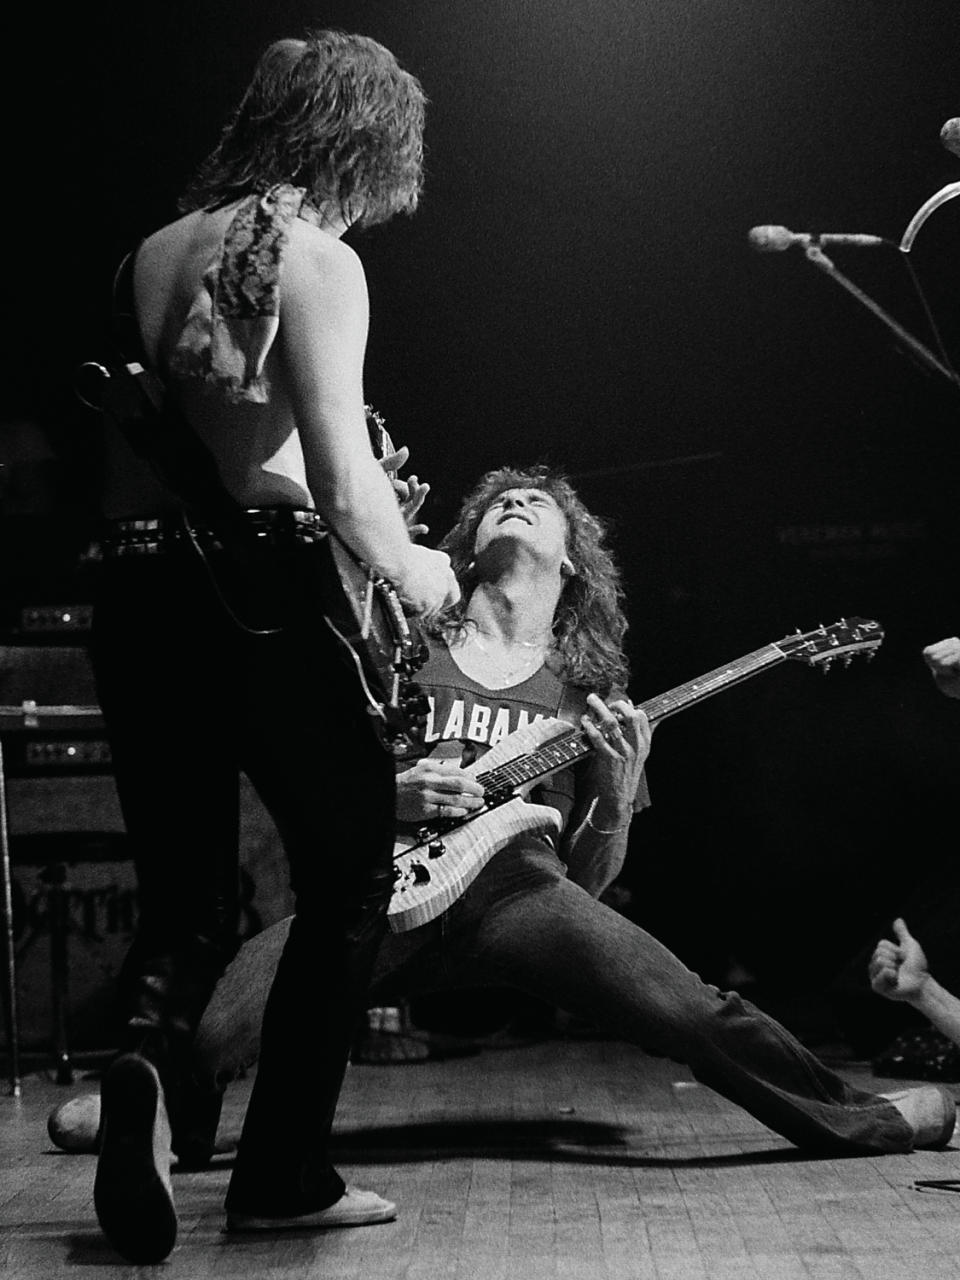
554 941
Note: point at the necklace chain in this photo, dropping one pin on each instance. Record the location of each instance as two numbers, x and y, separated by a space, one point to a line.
512 644
536 651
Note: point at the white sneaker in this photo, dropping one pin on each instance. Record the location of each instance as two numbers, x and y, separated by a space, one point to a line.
931 1112
355 1208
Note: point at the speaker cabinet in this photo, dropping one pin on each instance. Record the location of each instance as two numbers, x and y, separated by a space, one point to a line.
93 897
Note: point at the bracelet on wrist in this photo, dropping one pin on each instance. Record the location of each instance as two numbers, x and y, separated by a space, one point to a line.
605 831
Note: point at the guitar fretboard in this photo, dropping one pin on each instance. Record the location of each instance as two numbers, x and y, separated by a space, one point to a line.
694 691
574 744
555 754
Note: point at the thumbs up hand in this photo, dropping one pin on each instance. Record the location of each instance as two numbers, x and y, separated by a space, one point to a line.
898 970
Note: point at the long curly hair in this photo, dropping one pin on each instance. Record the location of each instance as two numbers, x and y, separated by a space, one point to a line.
589 624
334 113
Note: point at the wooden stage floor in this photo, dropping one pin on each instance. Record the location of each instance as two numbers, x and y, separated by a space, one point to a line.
567 1159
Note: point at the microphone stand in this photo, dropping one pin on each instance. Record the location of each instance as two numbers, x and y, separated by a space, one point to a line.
949 192
815 254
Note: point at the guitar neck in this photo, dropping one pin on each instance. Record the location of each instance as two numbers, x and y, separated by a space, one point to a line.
569 747
556 754
694 691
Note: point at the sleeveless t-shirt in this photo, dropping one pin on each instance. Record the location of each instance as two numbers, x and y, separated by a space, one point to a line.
466 719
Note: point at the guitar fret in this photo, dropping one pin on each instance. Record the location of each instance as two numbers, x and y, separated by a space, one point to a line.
552 755
696 690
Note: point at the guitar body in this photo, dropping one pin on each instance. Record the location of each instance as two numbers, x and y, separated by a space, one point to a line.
431 882
436 863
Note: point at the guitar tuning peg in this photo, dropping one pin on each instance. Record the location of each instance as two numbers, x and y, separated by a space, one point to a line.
847 659
825 667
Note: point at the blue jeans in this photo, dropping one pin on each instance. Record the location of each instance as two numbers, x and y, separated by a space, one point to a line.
522 924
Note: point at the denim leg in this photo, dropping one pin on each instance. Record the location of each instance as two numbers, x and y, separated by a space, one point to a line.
554 941
228 1039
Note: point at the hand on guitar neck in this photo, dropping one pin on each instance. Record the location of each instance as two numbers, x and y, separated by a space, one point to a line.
426 585
411 493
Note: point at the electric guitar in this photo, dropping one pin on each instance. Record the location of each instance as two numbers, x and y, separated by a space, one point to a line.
365 614
436 862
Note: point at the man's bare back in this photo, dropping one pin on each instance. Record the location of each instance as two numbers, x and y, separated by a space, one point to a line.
257 446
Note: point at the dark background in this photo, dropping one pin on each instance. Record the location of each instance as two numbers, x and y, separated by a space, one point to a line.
578 288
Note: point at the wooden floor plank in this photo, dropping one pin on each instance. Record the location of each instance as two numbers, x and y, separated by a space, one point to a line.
571 1159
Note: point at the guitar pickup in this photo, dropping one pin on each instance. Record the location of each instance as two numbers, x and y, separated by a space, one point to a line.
497 796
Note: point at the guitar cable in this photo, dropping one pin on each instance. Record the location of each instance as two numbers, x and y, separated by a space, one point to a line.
191 533
218 592
375 707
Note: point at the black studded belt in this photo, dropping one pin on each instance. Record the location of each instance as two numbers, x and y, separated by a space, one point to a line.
157 535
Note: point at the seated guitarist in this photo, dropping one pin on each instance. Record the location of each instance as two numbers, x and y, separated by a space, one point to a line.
211 645
539 630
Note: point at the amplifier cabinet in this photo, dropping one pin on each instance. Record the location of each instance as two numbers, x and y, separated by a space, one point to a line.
96 896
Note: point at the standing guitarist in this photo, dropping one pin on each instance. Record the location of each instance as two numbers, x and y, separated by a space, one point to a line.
211 644
540 623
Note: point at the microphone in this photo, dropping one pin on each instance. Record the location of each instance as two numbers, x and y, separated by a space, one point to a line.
950 135
776 239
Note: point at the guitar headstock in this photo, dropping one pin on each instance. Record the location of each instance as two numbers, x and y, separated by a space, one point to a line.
822 646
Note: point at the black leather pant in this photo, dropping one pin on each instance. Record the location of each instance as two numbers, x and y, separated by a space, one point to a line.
190 699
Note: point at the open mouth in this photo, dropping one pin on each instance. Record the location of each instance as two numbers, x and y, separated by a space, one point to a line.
514 515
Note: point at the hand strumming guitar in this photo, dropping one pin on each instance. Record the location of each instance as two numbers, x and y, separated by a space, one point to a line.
437 789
